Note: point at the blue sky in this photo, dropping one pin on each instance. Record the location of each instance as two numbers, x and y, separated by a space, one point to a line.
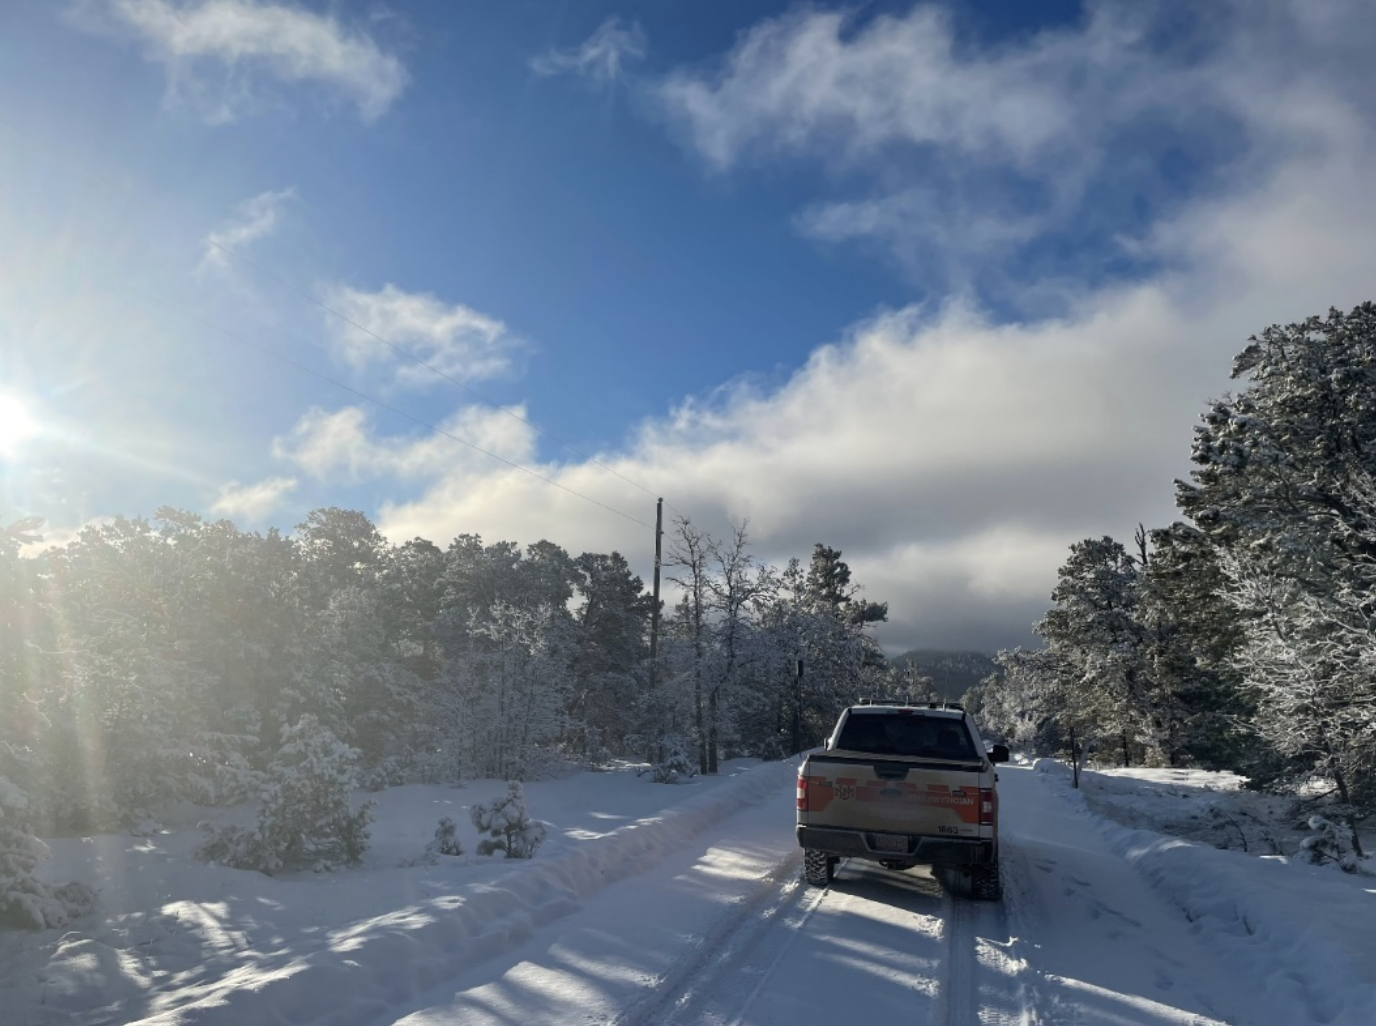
942 285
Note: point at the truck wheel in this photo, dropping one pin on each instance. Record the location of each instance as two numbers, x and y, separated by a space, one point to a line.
818 867
985 882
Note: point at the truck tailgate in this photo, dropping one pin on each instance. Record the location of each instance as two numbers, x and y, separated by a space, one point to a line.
865 793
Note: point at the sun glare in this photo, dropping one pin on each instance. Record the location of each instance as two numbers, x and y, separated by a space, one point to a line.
17 424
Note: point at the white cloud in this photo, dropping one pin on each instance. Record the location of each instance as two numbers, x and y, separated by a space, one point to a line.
802 83
256 218
601 58
220 53
343 445
253 501
958 157
938 231
423 335
953 459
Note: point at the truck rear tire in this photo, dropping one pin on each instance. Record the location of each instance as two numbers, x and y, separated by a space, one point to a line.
818 867
986 884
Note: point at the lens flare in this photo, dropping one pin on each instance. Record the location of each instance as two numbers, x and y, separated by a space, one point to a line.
17 424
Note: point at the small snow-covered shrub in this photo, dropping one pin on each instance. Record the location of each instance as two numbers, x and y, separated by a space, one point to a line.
233 846
1330 842
305 820
26 900
392 771
446 842
508 825
674 765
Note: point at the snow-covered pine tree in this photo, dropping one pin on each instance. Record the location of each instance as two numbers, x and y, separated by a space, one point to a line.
1026 703
25 900
508 825
306 820
1193 634
446 841
1093 629
1330 843
611 646
675 765
1282 488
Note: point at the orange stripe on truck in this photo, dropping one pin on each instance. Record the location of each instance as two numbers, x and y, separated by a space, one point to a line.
822 791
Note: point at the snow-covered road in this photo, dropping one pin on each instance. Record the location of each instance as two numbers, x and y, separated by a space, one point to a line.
723 933
683 906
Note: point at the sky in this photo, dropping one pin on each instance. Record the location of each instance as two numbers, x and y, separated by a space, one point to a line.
943 286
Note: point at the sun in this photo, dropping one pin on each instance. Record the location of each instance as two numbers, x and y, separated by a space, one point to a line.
17 424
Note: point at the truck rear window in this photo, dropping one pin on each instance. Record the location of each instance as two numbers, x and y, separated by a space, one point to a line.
906 735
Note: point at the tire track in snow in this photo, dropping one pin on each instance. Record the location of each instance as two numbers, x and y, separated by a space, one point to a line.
984 981
957 998
738 972
679 995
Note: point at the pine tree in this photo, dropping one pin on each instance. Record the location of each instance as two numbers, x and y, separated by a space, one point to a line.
1193 635
1094 631
446 841
305 820
25 899
1282 487
613 624
508 825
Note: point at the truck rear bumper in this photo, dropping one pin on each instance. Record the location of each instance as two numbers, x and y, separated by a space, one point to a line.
920 850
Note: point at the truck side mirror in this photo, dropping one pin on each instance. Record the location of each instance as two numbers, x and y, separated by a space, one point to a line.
999 753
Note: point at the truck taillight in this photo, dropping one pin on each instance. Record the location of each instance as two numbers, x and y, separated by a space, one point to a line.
802 794
988 804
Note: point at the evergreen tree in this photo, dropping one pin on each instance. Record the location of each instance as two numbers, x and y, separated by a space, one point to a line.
410 595
25 899
1282 486
1094 632
306 820
508 825
340 548
613 623
1028 702
1193 637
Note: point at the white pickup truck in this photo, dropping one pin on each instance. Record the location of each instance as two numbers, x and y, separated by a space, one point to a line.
902 785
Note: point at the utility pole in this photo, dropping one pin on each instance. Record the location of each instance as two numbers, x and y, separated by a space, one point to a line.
654 613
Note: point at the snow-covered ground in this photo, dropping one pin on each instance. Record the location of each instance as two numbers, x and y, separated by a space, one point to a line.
680 904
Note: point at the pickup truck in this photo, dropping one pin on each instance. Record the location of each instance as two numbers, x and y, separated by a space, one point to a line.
902 785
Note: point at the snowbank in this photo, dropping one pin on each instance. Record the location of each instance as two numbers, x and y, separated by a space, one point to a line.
1305 934
218 958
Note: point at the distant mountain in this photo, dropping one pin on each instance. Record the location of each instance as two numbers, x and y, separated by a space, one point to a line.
952 673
